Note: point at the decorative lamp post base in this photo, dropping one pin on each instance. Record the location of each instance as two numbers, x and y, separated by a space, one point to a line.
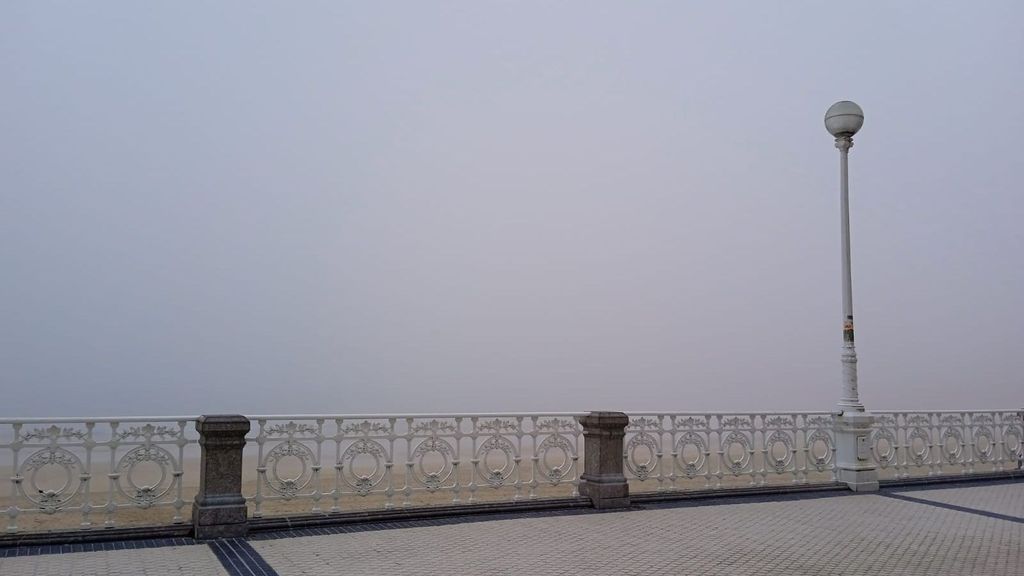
854 465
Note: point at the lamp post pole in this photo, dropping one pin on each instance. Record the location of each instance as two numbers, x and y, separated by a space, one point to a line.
854 464
843 120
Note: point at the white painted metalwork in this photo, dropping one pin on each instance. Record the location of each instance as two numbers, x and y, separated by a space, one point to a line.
929 443
672 450
842 120
95 467
96 471
334 461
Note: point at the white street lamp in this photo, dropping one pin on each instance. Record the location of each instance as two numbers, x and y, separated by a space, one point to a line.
843 120
853 424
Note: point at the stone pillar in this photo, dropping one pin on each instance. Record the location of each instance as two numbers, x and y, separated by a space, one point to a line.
219 510
855 466
602 480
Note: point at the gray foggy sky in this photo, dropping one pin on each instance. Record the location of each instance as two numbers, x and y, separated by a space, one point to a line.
390 207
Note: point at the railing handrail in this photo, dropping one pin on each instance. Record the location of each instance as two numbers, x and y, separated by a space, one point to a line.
101 419
426 415
193 417
729 412
925 411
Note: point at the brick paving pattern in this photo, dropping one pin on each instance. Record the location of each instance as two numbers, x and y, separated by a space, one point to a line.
851 535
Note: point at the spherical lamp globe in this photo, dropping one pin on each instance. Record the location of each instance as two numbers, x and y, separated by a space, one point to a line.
844 118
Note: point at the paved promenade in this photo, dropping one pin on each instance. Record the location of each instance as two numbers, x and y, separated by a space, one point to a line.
968 530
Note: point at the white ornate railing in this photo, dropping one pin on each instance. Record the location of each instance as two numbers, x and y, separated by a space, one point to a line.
928 443
699 450
340 462
101 471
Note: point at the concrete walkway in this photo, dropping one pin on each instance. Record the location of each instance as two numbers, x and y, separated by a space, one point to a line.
968 530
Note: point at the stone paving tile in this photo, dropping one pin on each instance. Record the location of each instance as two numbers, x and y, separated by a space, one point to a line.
192 560
850 535
1006 499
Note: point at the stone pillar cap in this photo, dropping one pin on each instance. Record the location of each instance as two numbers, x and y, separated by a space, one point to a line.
222 422
606 418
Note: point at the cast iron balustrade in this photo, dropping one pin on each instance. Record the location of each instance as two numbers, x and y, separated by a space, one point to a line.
98 470
930 443
85 474
706 450
334 463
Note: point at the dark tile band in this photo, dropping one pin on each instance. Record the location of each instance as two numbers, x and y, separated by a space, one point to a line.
240 559
953 507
